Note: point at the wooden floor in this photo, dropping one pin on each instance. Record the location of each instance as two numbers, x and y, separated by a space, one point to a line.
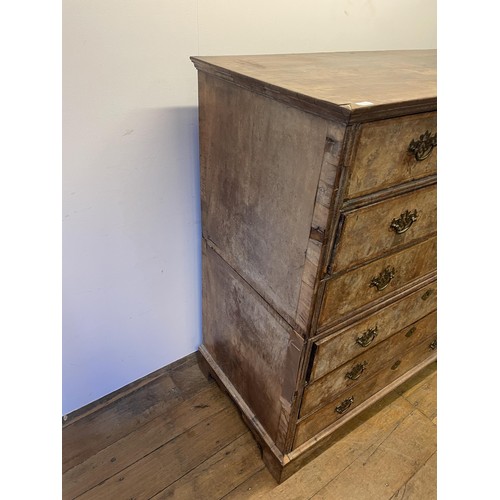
177 435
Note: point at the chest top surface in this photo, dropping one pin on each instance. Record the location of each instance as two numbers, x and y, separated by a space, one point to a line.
352 86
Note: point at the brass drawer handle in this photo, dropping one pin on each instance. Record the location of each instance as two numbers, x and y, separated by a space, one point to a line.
404 222
427 294
344 406
356 372
367 338
433 345
423 146
411 331
383 279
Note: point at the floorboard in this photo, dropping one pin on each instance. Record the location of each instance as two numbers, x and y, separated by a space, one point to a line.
179 436
218 475
143 441
422 484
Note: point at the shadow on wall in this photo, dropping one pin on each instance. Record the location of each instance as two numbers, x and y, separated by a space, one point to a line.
131 251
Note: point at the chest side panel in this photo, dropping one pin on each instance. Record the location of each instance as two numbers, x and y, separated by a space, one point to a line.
260 168
249 342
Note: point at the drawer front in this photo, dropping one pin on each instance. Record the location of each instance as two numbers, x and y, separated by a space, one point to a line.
354 289
368 232
311 425
335 350
390 152
363 366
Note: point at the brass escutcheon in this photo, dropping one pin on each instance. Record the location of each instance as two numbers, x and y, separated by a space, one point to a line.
427 294
411 331
396 364
433 345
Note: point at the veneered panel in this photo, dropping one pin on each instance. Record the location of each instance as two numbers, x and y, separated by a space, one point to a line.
366 232
382 159
338 348
366 364
246 339
351 398
351 290
260 167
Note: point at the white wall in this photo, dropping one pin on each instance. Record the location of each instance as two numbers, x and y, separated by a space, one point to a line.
131 222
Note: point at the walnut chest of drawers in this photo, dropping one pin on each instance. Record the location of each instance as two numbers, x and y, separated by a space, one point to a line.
318 198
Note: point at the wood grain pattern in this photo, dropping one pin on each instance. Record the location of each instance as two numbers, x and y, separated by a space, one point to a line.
82 437
335 350
344 452
142 439
219 474
295 360
260 483
402 453
330 178
423 396
166 464
372 360
89 409
422 485
260 168
351 290
327 414
304 165
235 470
348 86
246 338
366 232
382 159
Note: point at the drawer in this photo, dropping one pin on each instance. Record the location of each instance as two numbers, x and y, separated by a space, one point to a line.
390 152
351 290
337 349
367 232
366 364
311 425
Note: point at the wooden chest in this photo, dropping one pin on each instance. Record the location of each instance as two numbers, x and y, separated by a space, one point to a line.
318 198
